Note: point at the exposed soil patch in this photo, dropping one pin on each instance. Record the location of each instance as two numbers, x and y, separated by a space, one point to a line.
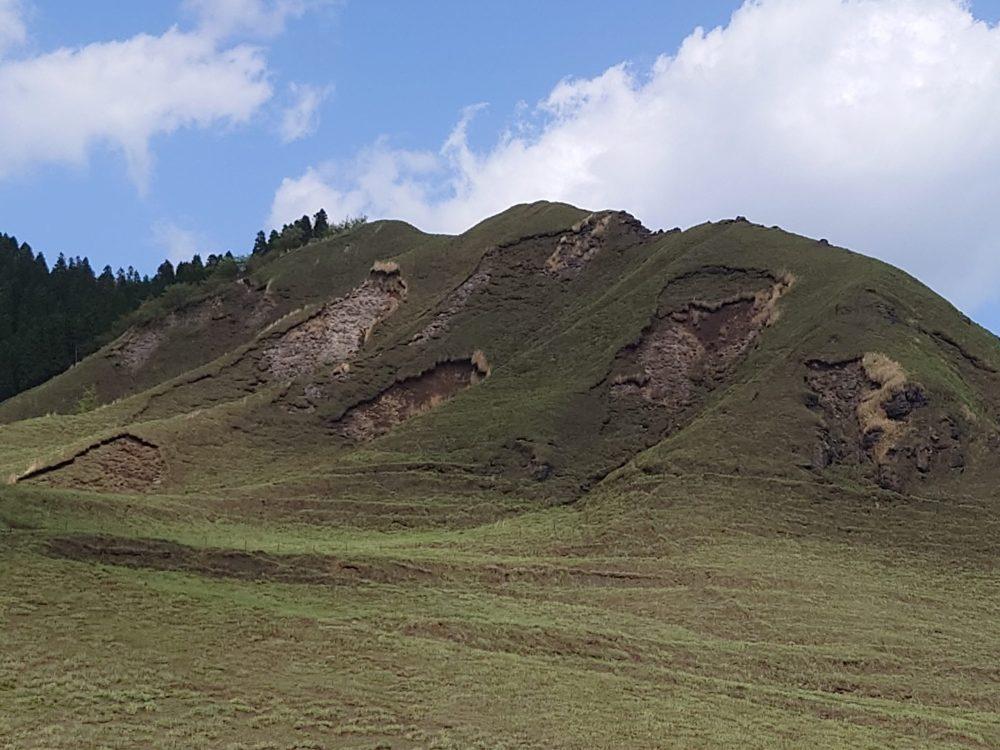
136 346
125 463
515 260
255 565
690 350
410 397
534 256
873 415
159 554
239 310
516 639
586 239
534 457
456 300
339 329
707 321
836 389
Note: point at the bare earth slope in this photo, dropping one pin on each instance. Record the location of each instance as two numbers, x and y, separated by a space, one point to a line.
558 481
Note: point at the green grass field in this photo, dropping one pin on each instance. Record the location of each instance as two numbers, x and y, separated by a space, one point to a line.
653 615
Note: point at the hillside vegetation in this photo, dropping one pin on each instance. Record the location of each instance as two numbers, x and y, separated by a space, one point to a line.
558 481
51 318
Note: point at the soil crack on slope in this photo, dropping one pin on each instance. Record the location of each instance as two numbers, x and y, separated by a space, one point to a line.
456 300
946 342
529 641
338 330
409 397
124 463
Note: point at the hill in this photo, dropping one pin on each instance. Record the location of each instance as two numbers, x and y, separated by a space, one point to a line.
722 485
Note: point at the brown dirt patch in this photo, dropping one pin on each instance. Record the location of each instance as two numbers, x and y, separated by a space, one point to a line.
534 255
456 300
410 397
836 389
530 641
690 350
160 554
239 310
339 329
137 346
873 415
587 238
707 321
125 463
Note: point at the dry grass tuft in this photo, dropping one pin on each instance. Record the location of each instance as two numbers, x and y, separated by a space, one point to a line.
766 300
890 379
637 378
33 468
387 267
481 364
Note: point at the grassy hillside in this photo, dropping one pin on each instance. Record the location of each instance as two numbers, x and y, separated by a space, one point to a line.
555 482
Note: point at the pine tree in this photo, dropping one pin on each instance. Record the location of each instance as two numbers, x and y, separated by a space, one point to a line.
305 228
321 224
164 277
260 245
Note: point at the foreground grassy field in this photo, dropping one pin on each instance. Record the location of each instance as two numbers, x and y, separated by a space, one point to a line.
699 612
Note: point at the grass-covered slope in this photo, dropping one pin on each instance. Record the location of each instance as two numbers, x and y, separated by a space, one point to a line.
728 348
175 334
555 482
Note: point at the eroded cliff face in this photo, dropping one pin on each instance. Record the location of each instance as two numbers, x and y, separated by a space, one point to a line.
339 329
589 237
873 415
125 463
409 397
691 347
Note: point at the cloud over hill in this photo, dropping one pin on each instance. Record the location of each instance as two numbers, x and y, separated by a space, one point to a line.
874 123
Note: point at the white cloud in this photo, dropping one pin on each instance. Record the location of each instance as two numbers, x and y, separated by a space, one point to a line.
307 194
13 31
223 18
301 119
178 243
875 123
60 105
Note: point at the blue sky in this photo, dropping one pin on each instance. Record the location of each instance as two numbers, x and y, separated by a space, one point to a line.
400 69
391 81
